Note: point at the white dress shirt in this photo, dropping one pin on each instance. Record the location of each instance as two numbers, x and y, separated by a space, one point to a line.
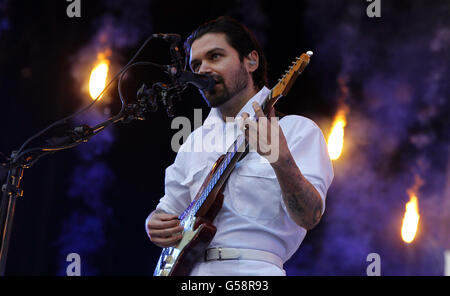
253 215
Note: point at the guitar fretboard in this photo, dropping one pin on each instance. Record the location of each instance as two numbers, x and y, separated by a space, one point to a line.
236 150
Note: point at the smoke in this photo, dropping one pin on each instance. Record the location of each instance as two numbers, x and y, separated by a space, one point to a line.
252 14
123 24
397 132
4 21
83 232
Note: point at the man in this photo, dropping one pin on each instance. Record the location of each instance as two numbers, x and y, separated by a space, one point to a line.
269 203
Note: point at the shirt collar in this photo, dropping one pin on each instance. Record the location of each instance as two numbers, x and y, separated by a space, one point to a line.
259 97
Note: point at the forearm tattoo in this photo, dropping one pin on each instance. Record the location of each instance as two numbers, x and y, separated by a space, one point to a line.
301 198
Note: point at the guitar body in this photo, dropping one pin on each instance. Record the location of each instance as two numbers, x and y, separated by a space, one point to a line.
198 217
191 250
198 233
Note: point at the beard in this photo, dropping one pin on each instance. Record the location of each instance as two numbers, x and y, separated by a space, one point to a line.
221 92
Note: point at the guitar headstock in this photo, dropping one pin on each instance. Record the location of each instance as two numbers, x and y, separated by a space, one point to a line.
285 83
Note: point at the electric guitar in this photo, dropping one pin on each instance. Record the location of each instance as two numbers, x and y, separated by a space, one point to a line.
198 216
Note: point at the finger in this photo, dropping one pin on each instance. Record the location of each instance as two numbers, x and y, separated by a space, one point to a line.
240 120
250 121
158 224
167 217
246 121
165 233
168 242
258 110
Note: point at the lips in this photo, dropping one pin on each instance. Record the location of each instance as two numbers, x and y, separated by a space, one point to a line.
217 79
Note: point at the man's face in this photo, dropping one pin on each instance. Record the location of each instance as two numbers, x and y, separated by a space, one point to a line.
211 54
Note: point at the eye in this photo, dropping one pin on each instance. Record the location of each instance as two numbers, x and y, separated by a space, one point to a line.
215 56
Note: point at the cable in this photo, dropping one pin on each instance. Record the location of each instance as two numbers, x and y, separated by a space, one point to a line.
122 75
64 120
96 129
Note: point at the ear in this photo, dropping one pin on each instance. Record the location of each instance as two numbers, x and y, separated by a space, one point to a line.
252 61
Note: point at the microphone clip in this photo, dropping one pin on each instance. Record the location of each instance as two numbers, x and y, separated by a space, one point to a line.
148 98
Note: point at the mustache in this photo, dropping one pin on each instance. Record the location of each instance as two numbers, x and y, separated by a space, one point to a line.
217 78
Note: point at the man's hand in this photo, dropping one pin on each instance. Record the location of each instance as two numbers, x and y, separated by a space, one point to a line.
163 229
265 134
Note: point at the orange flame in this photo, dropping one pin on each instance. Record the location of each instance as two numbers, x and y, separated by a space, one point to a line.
336 137
410 219
97 80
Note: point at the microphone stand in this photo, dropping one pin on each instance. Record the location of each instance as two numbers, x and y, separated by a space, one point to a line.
11 191
147 99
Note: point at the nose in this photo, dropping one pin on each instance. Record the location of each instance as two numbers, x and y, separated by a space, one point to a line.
204 68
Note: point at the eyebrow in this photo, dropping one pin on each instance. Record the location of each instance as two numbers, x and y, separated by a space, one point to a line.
207 53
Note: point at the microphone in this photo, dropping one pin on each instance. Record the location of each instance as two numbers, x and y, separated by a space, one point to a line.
174 38
201 81
204 82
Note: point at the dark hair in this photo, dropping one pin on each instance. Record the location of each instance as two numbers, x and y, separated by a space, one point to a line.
239 37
